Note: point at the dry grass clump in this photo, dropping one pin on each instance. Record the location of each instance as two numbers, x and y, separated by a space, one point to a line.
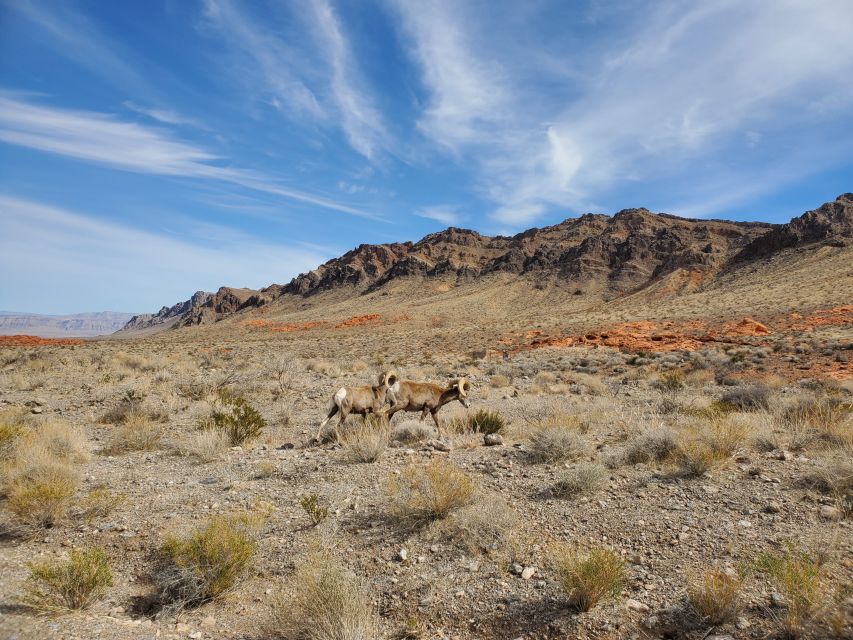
696 457
715 596
499 381
798 577
55 439
54 587
669 381
367 441
325 601
589 577
234 416
99 503
136 433
835 480
203 565
487 525
823 419
39 494
725 437
412 432
206 445
654 445
423 493
581 479
754 397
555 442
486 422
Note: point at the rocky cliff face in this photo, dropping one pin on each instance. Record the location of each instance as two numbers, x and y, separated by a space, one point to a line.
612 254
78 325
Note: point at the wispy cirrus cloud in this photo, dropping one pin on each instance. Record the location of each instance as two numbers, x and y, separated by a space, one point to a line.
106 140
166 116
315 78
675 98
445 214
101 260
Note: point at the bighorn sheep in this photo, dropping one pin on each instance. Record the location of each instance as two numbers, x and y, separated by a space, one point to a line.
407 395
359 400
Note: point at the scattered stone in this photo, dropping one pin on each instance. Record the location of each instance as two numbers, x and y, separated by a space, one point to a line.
828 512
402 555
439 445
636 605
777 599
527 573
772 507
493 439
515 569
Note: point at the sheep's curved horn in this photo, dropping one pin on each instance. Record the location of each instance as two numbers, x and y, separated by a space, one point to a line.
464 386
388 378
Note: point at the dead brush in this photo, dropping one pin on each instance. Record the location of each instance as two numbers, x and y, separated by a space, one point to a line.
653 445
695 457
820 419
423 493
725 437
557 438
208 562
55 587
588 578
136 433
715 596
488 525
367 440
582 479
206 445
324 601
99 503
39 493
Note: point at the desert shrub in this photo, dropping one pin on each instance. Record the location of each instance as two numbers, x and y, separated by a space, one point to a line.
412 431
484 421
554 443
654 445
724 437
669 381
99 503
694 458
499 381
820 418
754 397
579 480
206 445
798 577
136 433
593 385
589 577
130 403
76 584
423 493
203 565
715 596
12 429
39 493
236 418
325 601
367 441
314 507
835 480
487 525
54 439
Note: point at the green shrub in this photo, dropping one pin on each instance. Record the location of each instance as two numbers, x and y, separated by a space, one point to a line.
589 578
76 584
670 381
234 416
194 569
313 506
486 422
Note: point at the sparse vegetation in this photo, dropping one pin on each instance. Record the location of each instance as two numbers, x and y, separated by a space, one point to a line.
136 433
315 508
581 479
484 421
325 601
556 442
367 440
53 587
588 578
715 596
696 457
655 445
236 418
487 525
423 493
206 445
206 563
749 398
798 577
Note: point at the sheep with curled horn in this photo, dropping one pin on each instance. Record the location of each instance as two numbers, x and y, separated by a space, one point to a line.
360 400
426 397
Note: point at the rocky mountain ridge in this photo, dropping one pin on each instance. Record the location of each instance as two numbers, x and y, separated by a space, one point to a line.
75 325
613 255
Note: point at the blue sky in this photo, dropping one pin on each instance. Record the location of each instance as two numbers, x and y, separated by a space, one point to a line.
150 148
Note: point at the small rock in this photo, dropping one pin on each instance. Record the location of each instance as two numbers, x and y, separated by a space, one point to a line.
743 623
209 621
438 445
636 605
527 573
777 599
772 507
195 635
828 512
515 569
402 555
493 439
36 410
720 636
744 523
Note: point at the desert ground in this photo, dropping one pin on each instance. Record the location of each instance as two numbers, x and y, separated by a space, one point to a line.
617 475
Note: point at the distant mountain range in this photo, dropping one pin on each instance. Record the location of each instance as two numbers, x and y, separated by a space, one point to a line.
76 325
595 255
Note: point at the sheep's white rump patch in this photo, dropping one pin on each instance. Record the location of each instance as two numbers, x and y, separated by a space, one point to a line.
340 395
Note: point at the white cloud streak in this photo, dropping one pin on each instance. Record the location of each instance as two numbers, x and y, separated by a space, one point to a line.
105 140
445 214
683 91
109 265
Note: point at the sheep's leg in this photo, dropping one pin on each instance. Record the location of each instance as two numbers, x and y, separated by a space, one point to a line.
434 414
424 414
332 412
